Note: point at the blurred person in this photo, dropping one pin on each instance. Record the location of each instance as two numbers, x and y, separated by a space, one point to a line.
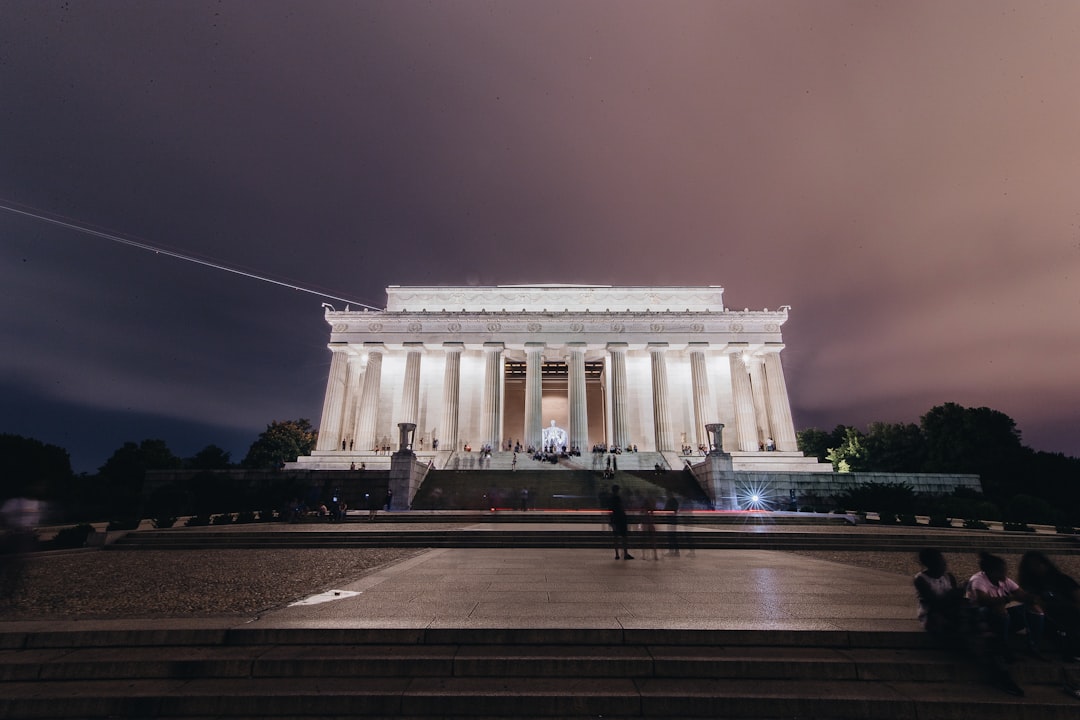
1059 597
619 523
1003 606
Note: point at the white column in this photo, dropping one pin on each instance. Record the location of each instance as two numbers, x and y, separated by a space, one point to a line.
410 391
451 396
783 426
699 380
757 387
353 389
333 401
620 429
745 419
534 394
660 396
493 392
579 413
368 417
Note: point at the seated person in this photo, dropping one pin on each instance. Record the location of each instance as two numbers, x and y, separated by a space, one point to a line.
1059 597
1004 607
941 598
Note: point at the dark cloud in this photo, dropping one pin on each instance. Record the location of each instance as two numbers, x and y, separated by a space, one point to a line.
901 174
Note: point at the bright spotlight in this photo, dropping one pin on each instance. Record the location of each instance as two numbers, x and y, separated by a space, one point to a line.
755 496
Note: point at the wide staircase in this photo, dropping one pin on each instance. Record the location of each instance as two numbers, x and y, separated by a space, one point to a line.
251 672
588 529
571 488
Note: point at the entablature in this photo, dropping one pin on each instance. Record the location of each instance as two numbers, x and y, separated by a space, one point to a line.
557 328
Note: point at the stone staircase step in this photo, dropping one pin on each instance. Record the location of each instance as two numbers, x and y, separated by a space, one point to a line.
530 697
242 672
591 535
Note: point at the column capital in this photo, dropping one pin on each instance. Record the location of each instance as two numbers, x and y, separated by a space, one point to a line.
413 345
535 346
618 346
338 346
772 347
658 346
494 346
698 346
737 348
453 346
375 347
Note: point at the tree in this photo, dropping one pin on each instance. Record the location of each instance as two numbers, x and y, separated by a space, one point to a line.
281 442
210 457
849 455
818 443
123 473
32 467
975 440
894 447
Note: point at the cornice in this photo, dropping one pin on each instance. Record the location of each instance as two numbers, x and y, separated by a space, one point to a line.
592 327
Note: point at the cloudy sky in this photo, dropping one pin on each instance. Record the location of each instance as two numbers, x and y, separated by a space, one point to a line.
905 175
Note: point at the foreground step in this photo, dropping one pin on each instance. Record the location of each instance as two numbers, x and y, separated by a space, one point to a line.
246 672
529 697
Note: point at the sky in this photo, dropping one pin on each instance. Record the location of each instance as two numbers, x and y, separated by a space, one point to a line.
906 176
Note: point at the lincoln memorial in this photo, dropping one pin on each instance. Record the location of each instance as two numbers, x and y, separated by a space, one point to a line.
645 368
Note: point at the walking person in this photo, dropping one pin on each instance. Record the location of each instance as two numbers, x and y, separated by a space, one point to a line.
619 524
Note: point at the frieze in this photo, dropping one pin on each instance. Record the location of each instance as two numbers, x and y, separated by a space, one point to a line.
555 298
374 326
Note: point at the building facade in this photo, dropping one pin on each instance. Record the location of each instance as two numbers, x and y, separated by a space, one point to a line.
494 366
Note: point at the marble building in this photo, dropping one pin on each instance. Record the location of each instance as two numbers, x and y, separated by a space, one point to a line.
629 366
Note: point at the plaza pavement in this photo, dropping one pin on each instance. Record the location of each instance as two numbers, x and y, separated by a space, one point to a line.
589 589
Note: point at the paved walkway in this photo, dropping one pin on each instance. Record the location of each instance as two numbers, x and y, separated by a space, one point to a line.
587 588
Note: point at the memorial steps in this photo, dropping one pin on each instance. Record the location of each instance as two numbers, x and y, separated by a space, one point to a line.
588 529
202 671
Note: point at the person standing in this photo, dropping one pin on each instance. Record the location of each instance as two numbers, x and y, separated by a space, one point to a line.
619 524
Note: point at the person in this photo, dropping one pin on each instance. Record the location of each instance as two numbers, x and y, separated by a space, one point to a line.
941 599
388 499
1003 606
619 524
672 507
648 526
1059 597
524 499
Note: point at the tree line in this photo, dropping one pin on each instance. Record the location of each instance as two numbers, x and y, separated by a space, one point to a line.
1032 485
43 471
1038 486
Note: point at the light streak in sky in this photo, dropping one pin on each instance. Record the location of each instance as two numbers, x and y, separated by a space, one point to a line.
174 254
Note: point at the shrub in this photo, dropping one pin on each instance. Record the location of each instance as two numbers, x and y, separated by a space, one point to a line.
266 516
222 519
909 520
1017 527
940 521
973 524
1066 529
163 522
71 537
245 517
887 518
198 521
129 524
1022 508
